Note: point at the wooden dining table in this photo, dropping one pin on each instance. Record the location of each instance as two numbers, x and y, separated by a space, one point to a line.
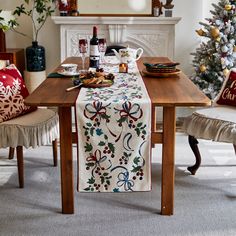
168 93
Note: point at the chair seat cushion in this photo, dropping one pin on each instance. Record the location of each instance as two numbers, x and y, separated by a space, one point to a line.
215 123
34 129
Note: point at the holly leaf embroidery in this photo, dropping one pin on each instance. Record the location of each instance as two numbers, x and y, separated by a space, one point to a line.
137 131
139 124
122 119
91 131
88 147
91 181
136 169
116 190
111 147
101 143
102 179
136 160
105 116
90 164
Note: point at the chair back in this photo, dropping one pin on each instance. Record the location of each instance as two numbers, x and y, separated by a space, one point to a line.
109 51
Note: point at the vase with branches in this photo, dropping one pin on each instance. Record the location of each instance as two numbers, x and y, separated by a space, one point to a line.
38 12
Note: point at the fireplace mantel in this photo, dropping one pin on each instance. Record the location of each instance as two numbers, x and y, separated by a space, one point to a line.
107 20
156 35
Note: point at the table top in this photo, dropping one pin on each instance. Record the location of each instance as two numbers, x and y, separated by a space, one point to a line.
169 91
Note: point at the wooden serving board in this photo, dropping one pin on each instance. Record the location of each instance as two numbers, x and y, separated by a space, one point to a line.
161 75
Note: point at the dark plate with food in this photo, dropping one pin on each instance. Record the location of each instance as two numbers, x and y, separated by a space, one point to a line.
168 67
97 79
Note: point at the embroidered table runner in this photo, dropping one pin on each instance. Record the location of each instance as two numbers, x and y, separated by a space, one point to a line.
114 131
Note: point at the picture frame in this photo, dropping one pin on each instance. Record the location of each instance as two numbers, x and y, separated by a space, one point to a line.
115 8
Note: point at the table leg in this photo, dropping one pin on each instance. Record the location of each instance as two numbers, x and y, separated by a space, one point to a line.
168 161
67 190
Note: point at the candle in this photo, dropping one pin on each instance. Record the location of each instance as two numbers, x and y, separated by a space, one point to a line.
123 68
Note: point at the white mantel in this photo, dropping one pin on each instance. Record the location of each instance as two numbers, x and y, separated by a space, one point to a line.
156 35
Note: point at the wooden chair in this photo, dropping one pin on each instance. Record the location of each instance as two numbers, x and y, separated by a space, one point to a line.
217 123
109 51
33 129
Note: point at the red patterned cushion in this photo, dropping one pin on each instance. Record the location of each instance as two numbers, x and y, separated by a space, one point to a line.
12 94
228 92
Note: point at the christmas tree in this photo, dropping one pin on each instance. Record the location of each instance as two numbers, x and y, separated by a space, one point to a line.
217 52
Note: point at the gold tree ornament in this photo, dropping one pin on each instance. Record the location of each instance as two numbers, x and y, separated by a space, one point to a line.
228 7
202 68
201 32
225 72
234 48
215 32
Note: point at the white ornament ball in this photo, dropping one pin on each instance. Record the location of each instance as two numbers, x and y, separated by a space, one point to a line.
218 22
224 48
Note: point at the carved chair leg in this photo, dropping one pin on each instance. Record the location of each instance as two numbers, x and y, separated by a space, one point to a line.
11 153
54 149
20 165
235 148
193 144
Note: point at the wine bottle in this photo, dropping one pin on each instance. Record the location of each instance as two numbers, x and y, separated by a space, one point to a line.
94 52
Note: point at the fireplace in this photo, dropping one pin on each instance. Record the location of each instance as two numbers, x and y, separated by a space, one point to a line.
156 35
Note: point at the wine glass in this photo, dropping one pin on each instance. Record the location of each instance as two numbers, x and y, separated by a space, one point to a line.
102 45
83 48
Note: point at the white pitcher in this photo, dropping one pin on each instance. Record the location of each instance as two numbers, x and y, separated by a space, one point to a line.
127 55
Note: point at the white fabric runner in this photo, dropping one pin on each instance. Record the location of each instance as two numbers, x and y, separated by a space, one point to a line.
114 131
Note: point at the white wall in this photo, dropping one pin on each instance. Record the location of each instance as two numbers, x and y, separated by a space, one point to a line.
186 38
191 11
208 7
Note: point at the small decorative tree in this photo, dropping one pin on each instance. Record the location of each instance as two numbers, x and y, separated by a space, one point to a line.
217 52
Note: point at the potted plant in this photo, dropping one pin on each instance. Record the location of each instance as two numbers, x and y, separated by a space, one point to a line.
6 23
38 11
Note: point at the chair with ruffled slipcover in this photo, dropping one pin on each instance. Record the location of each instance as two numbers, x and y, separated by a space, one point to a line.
21 125
33 129
217 123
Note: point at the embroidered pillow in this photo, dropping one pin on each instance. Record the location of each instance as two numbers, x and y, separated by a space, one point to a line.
12 94
227 95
